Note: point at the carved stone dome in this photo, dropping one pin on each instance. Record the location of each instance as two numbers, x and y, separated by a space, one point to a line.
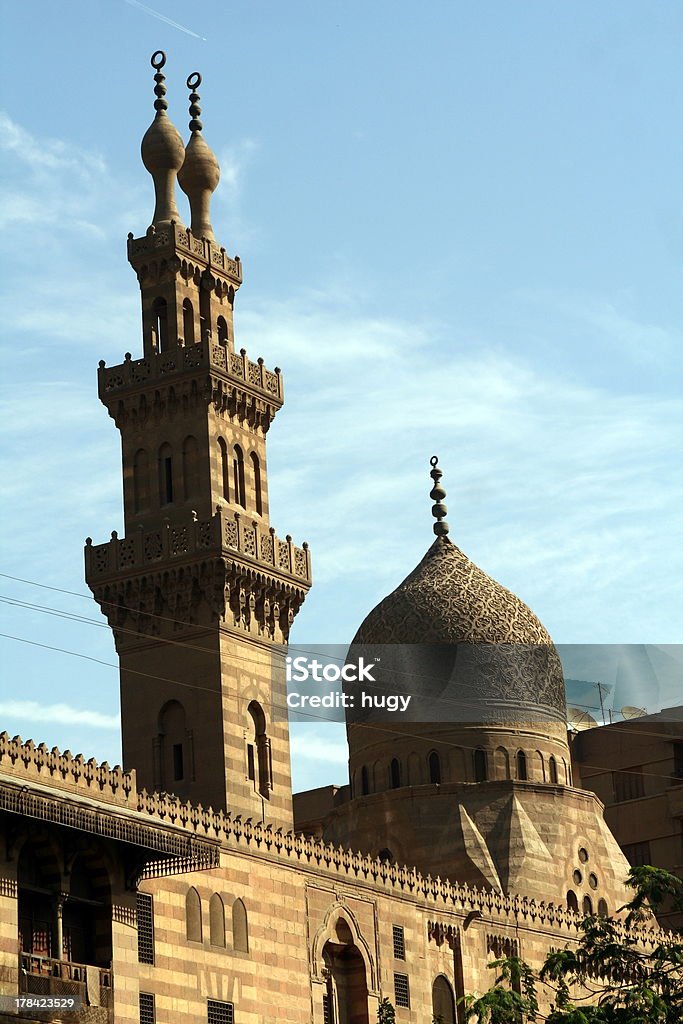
447 599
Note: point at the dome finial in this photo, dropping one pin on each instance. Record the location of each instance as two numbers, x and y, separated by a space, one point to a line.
437 494
162 150
200 172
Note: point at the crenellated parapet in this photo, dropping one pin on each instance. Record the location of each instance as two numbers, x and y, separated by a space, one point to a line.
67 771
228 567
206 373
165 250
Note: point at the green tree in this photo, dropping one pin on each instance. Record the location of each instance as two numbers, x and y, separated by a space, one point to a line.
386 1014
618 980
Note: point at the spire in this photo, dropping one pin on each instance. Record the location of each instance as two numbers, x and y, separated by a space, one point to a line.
437 494
200 173
162 150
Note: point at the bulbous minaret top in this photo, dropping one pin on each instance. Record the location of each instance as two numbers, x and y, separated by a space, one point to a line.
199 175
162 150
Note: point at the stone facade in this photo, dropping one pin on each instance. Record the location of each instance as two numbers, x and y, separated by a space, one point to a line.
176 888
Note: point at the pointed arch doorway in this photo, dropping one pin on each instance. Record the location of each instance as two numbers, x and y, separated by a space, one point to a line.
346 996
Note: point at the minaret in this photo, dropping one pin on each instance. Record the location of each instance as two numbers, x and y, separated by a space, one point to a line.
200 593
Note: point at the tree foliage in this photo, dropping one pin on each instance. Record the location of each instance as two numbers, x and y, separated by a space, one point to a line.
610 977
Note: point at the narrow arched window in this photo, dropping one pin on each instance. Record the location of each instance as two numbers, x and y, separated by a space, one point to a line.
188 322
395 773
602 908
572 902
521 765
193 916
443 1001
205 310
216 921
256 470
190 467
225 470
552 768
240 928
259 757
386 856
434 768
238 476
587 906
364 781
165 475
160 325
222 328
141 481
480 766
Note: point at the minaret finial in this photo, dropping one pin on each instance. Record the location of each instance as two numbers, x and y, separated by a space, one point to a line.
200 173
162 150
437 494
193 82
157 61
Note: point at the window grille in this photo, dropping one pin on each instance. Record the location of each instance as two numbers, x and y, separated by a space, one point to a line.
399 942
638 853
327 1010
220 1013
629 785
145 914
401 990
147 1014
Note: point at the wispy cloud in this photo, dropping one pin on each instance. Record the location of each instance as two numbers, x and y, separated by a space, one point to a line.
166 21
32 711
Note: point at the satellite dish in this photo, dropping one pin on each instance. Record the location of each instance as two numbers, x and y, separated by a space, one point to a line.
579 720
629 712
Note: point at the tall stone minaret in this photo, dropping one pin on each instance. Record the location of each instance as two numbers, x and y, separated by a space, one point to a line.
200 593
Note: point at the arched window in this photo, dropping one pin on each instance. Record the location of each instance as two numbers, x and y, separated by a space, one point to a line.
172 748
480 766
539 766
572 902
190 467
395 773
364 781
501 763
188 322
216 921
160 325
521 765
552 768
225 471
443 1001
259 756
587 906
238 476
386 856
222 329
256 470
602 908
141 481
240 930
205 310
434 768
193 916
165 475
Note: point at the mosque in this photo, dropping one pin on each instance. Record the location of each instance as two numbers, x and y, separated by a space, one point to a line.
187 885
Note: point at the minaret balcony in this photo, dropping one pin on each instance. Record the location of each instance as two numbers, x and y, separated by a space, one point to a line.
208 354
225 533
175 239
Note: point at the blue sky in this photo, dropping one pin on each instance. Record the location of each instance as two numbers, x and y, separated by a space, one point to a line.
462 234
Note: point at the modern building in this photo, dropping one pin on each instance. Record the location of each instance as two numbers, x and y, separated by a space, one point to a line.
177 888
635 767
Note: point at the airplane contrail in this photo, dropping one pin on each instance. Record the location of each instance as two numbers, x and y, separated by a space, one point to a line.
168 21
